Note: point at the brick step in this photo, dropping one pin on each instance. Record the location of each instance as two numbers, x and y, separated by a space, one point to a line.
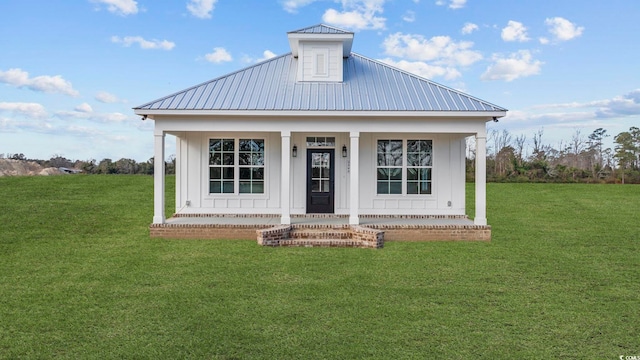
320 234
353 236
306 242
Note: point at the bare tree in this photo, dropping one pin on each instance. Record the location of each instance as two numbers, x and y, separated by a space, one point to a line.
576 147
470 147
519 142
500 140
538 147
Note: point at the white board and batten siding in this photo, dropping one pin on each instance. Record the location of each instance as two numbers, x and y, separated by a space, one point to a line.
192 179
321 61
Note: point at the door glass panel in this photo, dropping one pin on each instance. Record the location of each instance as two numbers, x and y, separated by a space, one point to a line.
320 172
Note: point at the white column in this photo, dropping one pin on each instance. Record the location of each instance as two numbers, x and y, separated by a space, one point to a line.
354 178
285 178
158 178
481 180
179 200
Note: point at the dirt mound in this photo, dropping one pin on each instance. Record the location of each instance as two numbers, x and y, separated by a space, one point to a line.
10 167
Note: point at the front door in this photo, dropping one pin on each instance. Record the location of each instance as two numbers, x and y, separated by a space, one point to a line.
320 180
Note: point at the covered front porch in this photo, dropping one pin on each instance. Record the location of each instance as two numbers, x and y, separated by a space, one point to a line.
288 172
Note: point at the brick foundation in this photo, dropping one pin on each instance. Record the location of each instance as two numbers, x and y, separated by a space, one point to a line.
372 235
439 233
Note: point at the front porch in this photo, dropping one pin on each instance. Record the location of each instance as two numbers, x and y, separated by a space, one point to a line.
326 228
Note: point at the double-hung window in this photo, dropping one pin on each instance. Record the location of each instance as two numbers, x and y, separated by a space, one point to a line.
404 167
236 166
389 167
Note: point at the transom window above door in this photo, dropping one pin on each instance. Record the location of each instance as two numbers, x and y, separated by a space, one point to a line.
321 141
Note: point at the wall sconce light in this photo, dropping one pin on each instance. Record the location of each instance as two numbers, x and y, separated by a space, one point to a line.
344 150
294 151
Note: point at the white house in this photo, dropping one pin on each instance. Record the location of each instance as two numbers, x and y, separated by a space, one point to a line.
320 130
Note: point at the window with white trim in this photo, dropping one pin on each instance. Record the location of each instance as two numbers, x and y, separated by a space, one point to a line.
236 166
404 167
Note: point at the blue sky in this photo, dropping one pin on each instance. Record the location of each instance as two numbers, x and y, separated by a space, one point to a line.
70 71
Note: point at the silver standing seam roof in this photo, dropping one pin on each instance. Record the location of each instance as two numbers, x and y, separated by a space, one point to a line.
320 29
368 85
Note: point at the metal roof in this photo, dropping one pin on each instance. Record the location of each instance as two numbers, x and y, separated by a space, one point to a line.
368 85
320 29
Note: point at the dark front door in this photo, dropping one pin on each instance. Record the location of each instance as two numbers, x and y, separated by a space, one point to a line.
320 180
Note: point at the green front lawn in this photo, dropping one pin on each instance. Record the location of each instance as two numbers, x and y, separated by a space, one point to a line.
80 278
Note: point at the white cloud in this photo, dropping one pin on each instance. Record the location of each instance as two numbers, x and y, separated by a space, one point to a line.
442 50
120 7
409 16
44 83
83 131
144 44
615 114
423 69
84 107
357 15
112 117
354 14
468 28
563 29
619 106
517 65
218 56
88 114
543 40
453 4
293 5
107 98
266 55
352 19
31 110
515 31
19 125
201 8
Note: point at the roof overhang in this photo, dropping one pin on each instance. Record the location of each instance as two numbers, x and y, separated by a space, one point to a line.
346 39
487 115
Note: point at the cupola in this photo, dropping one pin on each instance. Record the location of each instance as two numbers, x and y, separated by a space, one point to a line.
319 50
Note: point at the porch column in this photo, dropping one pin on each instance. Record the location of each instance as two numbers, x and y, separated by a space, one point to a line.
285 178
158 178
354 178
481 180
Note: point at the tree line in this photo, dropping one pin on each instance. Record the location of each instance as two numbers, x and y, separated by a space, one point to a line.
580 159
104 166
509 158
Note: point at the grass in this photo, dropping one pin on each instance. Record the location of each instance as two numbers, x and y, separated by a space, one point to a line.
80 278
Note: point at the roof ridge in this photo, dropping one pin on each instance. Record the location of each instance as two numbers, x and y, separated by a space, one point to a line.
427 80
320 25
